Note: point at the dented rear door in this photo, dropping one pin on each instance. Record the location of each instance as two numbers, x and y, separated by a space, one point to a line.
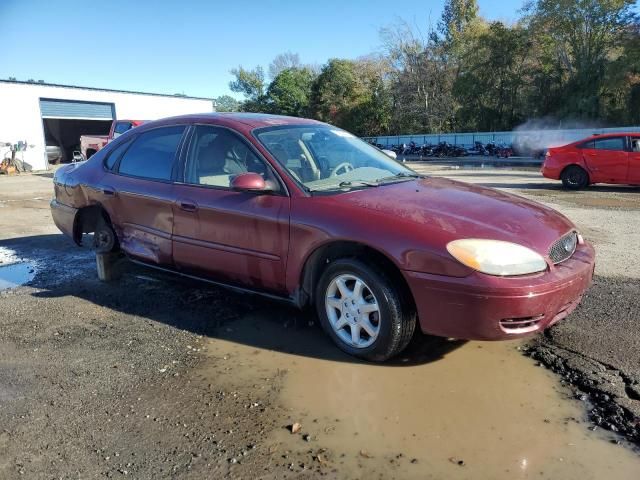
140 194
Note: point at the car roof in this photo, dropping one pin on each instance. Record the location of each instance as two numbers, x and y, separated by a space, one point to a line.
251 120
609 135
595 136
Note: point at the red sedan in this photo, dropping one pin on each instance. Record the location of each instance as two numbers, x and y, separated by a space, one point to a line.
305 212
611 158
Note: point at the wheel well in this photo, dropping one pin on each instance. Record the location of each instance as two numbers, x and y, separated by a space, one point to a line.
87 221
315 264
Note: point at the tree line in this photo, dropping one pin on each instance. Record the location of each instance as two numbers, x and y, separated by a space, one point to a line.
562 60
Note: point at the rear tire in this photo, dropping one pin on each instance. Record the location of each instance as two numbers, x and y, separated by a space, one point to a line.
352 295
104 238
574 177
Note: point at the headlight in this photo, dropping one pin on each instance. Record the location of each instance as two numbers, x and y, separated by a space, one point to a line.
495 257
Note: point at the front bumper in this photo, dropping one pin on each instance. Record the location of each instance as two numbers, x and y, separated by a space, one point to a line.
64 217
483 307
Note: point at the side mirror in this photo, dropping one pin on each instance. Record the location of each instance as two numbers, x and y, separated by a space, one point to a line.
249 182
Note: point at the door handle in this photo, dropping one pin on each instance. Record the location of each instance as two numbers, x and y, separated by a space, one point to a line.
108 191
187 206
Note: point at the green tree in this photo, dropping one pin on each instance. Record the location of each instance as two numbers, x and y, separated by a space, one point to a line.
352 94
563 59
621 93
226 103
457 15
251 84
421 80
492 86
334 92
290 91
587 35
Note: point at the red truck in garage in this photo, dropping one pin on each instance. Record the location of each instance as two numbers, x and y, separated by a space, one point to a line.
90 144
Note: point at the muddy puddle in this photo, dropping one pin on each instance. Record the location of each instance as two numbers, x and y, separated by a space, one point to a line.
15 274
445 410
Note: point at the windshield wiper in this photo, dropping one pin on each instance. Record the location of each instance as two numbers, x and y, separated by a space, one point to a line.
354 183
344 184
400 176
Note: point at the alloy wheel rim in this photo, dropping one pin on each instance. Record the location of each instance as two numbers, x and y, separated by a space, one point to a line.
353 311
575 178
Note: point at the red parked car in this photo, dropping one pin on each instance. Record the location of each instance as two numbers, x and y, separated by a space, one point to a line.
305 212
610 158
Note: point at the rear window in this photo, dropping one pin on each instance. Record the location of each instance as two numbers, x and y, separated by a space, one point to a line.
113 157
152 154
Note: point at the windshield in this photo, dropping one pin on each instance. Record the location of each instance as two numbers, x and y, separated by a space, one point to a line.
322 158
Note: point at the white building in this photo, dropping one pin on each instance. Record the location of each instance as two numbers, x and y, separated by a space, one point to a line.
40 114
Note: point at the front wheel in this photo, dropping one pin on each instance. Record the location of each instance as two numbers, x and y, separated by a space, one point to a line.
574 177
363 311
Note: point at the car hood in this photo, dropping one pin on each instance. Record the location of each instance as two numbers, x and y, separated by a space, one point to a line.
451 210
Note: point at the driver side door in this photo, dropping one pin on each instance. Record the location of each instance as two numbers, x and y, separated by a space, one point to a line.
234 237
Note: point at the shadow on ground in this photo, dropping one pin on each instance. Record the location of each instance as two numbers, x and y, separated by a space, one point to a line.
65 270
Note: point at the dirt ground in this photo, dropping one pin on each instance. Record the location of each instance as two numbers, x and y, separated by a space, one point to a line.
156 377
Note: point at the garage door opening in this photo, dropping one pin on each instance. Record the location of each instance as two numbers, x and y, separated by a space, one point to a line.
65 121
65 134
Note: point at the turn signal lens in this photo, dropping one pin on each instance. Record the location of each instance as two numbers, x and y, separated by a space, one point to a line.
495 257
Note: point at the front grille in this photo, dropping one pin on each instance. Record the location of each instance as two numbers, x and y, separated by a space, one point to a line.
563 248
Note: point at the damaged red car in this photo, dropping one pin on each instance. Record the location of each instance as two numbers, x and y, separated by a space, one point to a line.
611 158
305 212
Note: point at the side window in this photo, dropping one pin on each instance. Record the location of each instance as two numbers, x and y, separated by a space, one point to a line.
216 155
635 144
115 154
152 153
616 143
588 145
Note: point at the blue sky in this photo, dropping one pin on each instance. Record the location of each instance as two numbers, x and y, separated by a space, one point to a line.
190 46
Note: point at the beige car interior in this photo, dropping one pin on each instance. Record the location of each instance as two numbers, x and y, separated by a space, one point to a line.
219 157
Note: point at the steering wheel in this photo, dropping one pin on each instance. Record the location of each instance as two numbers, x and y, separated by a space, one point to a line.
346 166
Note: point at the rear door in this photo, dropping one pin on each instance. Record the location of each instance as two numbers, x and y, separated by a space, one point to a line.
234 237
634 160
140 193
607 159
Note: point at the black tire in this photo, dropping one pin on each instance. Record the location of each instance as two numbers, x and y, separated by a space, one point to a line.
574 177
397 317
104 238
